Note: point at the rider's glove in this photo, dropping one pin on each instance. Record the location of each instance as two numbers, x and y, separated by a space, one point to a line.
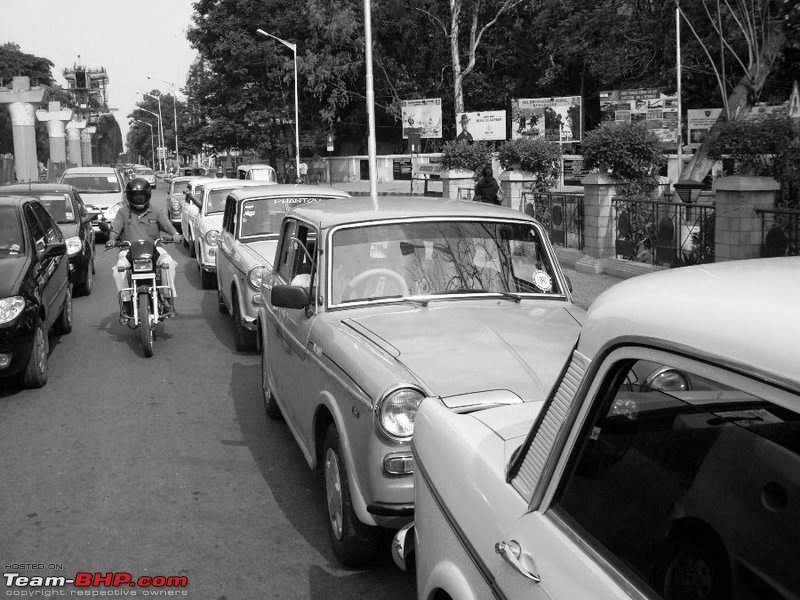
177 238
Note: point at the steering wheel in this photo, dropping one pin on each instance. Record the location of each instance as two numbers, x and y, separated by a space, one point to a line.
396 278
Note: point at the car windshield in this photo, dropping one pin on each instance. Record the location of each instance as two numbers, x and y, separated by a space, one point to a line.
93 183
60 206
426 258
12 242
216 200
263 216
262 175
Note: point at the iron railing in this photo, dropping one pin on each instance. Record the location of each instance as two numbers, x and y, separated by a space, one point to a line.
780 231
561 213
466 193
660 232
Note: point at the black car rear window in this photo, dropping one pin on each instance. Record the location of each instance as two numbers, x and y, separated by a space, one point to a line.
12 241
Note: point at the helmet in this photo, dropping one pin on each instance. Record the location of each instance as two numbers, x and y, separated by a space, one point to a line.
137 191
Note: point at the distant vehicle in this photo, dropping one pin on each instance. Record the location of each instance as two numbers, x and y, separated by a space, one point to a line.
191 200
145 173
176 197
35 293
257 173
102 190
66 206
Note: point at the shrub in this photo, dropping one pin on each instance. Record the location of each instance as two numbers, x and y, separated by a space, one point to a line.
536 155
461 155
627 151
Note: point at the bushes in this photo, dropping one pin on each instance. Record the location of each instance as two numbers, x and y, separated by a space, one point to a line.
535 155
460 155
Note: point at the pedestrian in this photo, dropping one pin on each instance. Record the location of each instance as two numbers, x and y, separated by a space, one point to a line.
487 188
303 172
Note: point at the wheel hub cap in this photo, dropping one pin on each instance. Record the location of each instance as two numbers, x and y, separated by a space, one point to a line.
333 491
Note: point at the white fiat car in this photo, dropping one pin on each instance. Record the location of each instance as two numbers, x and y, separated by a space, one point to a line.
611 488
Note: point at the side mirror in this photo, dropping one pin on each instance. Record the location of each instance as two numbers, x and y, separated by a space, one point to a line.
289 296
89 217
55 249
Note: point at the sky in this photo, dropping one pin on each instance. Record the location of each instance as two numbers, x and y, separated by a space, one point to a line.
130 39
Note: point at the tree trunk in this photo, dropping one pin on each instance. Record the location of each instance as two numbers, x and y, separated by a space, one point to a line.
455 55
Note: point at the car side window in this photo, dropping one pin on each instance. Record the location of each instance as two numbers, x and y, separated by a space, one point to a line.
35 227
229 217
52 232
673 472
303 264
286 250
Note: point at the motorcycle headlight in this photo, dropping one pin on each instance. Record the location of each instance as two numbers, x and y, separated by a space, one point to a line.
11 308
73 246
396 412
668 380
112 211
255 275
143 264
212 237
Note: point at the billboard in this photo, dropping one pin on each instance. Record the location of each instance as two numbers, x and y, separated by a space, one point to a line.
423 116
658 111
487 125
698 122
555 119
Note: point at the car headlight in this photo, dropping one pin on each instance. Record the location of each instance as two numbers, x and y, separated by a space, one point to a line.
668 380
255 275
396 412
11 308
176 205
112 211
212 237
73 245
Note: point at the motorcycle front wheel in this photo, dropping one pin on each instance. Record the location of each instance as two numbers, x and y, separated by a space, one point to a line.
145 326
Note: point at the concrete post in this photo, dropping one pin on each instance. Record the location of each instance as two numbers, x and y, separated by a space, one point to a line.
74 142
513 183
21 100
452 179
737 232
86 145
56 120
598 222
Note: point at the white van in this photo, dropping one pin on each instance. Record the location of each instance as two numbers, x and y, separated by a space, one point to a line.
257 173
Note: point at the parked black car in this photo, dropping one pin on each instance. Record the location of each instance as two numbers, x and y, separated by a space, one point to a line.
35 292
66 206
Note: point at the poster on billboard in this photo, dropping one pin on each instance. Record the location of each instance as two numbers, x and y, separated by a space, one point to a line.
476 126
554 119
698 122
658 111
423 116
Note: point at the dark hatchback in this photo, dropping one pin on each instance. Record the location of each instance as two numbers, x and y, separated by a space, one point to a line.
66 206
35 293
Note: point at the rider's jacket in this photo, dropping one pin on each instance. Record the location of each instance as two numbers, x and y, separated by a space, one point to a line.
130 226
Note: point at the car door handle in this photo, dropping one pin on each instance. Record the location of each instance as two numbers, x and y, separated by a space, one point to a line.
511 552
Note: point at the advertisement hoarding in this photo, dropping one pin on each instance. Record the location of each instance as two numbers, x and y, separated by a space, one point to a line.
486 125
698 122
423 116
555 119
658 111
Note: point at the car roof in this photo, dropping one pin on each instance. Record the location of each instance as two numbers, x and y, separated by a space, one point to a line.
287 189
363 208
97 169
742 311
229 182
22 188
14 200
255 166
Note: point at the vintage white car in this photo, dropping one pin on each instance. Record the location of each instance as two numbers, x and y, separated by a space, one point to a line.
246 248
205 223
612 489
373 306
192 194
176 198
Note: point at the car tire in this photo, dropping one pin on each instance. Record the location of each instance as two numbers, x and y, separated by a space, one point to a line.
208 280
85 288
270 406
243 338
63 324
35 373
192 249
354 543
185 241
221 303
694 569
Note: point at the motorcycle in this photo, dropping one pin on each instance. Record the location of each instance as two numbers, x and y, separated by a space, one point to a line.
149 305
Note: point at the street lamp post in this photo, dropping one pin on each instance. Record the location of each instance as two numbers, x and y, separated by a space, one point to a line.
160 125
174 114
293 48
152 139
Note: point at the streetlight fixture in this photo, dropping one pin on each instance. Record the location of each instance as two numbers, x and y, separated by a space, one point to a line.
158 122
174 114
160 126
152 139
293 48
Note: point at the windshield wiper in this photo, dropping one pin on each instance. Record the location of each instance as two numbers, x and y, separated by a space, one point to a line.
507 295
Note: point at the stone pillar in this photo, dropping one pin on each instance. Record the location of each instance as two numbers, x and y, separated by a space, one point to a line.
598 222
452 179
86 145
514 183
56 120
74 142
21 100
737 232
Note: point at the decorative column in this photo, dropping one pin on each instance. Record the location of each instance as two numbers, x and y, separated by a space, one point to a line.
56 120
22 100
513 183
598 222
74 142
86 145
453 179
737 226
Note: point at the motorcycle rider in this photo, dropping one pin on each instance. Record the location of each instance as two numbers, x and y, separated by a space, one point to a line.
138 221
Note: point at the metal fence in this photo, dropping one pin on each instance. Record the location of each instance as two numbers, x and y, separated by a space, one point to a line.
780 231
661 232
561 213
465 193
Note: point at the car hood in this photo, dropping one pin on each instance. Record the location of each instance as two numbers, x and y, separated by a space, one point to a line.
11 270
265 249
213 221
465 348
101 200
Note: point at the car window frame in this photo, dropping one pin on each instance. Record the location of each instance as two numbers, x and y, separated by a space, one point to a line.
53 233
38 238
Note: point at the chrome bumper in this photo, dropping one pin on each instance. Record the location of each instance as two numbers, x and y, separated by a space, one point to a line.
403 546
